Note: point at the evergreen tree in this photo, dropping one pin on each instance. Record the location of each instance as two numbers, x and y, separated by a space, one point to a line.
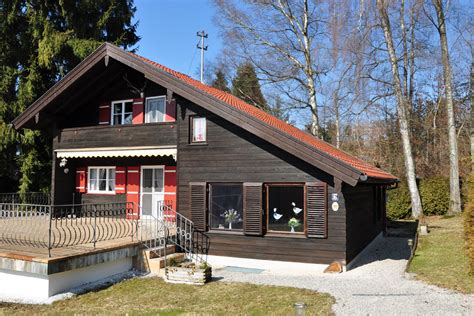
247 87
40 41
278 111
220 82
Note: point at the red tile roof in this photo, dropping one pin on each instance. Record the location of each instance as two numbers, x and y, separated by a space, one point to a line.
269 119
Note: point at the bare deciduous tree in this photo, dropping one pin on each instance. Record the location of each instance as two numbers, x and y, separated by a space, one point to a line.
455 193
278 37
401 101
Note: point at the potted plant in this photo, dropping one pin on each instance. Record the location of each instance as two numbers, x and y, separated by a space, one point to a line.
294 223
231 216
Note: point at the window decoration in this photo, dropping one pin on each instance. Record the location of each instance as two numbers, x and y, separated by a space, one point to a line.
226 206
286 208
198 129
155 109
101 180
122 112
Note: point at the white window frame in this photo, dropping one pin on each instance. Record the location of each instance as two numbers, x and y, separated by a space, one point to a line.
164 108
98 191
193 118
122 111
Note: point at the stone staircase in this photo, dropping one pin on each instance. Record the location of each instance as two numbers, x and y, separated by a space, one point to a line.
153 260
161 238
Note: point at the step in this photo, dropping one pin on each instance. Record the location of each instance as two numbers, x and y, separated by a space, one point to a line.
159 252
157 264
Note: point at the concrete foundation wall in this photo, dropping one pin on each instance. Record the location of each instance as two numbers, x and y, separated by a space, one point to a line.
64 281
34 280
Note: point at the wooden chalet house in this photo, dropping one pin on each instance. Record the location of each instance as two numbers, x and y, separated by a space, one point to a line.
127 129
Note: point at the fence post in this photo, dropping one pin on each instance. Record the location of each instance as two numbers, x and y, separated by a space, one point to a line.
49 231
95 224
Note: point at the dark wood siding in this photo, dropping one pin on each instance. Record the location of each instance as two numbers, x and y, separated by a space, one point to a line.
234 155
362 223
157 134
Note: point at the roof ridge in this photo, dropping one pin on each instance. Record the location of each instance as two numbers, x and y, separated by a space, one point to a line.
337 153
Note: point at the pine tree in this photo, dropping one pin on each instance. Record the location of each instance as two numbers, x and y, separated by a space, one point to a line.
40 41
278 111
247 87
220 82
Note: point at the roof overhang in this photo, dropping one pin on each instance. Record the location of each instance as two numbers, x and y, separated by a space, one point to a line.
320 159
106 152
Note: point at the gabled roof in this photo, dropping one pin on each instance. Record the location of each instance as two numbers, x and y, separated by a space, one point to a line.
342 165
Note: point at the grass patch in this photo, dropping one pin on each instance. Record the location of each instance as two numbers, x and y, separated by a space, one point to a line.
154 296
441 257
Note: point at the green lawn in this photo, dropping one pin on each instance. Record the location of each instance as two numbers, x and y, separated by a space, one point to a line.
152 295
441 258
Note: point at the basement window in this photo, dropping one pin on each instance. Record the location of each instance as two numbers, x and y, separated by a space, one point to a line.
122 112
101 180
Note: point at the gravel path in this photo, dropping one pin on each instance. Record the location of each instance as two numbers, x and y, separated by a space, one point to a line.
376 285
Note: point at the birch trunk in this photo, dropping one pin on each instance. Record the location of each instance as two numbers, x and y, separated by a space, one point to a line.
454 190
416 206
314 107
337 120
471 92
313 103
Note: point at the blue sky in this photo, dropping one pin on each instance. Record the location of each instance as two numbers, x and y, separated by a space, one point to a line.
168 32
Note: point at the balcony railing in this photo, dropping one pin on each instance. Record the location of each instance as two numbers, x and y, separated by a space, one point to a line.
38 198
60 226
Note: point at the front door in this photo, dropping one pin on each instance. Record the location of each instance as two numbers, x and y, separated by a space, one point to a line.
152 190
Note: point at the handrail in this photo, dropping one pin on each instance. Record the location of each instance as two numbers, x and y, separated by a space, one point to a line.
171 227
194 243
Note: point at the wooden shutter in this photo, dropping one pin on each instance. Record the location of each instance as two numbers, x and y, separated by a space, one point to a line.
120 180
253 215
81 179
197 199
138 111
316 210
170 112
170 191
104 113
133 190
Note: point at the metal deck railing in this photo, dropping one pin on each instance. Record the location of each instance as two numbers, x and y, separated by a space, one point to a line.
171 227
61 226
36 198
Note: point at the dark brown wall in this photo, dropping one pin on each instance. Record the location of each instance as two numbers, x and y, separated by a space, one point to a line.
362 224
156 134
233 155
86 108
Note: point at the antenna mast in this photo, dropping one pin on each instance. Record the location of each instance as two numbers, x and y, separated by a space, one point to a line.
201 46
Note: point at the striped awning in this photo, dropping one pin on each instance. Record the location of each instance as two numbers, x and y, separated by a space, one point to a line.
117 152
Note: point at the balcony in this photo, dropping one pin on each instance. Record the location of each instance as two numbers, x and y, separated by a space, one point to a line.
154 134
